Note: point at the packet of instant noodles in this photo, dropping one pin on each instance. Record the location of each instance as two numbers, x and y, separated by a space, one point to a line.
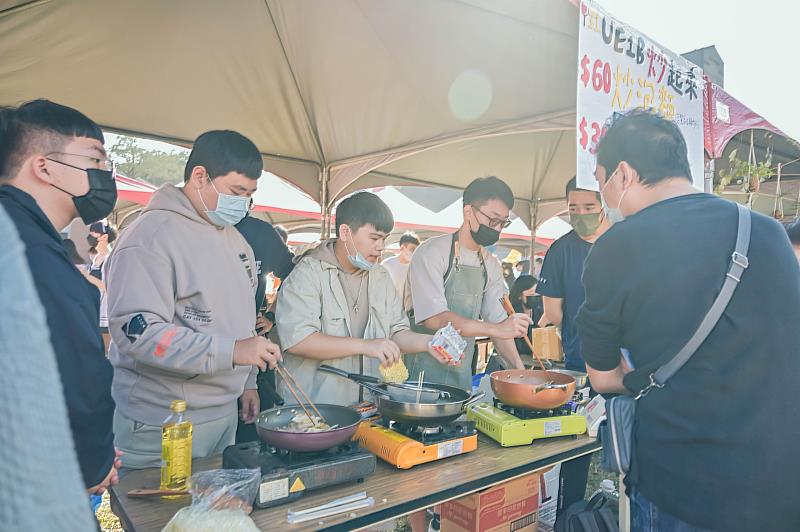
448 342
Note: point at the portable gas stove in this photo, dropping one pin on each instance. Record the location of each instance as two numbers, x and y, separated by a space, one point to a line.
405 446
286 475
510 426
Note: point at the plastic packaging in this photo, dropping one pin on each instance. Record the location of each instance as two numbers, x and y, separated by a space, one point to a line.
221 500
449 343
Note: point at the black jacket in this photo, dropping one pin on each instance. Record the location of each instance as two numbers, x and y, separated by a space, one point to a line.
71 305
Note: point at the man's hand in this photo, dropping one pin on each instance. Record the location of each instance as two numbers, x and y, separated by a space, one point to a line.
251 405
440 358
386 351
256 351
112 478
515 326
263 325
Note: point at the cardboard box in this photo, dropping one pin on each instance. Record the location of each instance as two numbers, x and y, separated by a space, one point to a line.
512 506
548 495
547 343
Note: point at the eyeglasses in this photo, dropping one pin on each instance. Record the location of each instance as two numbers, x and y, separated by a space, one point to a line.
103 164
494 222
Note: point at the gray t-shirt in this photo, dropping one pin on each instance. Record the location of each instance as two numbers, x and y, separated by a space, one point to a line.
426 280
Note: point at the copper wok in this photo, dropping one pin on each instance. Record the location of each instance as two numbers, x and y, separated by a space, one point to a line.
530 389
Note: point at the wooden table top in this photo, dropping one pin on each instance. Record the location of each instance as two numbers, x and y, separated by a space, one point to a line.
396 492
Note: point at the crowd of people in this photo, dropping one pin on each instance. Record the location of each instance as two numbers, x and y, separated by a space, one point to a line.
185 287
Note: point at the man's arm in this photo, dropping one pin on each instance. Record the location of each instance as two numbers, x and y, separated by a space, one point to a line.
609 381
553 310
508 350
141 306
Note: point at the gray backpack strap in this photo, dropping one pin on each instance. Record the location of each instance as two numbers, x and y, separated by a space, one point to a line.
738 265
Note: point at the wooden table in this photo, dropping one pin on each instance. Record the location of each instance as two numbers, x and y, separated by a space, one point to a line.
396 492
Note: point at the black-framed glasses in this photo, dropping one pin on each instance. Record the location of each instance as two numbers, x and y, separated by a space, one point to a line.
104 164
501 223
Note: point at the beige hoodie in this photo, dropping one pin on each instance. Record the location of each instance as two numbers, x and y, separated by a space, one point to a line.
180 293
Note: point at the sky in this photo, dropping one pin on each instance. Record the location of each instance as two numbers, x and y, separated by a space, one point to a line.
758 41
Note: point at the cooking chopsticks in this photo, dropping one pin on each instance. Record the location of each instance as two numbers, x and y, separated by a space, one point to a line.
509 308
294 388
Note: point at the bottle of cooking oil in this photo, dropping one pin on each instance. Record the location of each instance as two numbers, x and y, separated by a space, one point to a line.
176 448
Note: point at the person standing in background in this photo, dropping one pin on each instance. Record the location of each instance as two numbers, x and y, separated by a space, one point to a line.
397 266
101 236
53 168
562 295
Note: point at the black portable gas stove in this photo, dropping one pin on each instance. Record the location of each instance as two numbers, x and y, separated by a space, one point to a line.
287 475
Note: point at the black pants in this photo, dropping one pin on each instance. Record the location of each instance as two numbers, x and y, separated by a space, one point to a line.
266 395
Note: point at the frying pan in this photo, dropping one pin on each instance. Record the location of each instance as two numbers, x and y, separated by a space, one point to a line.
406 392
529 389
270 422
446 408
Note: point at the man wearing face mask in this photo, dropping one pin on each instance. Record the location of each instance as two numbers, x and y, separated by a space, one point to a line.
650 282
560 279
181 285
339 307
453 279
53 168
397 266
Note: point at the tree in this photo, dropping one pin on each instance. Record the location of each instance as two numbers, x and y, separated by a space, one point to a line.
154 166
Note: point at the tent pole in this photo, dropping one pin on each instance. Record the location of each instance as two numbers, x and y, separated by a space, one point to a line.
326 211
534 211
708 182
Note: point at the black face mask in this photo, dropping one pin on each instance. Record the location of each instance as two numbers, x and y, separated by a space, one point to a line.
530 301
485 235
92 240
101 198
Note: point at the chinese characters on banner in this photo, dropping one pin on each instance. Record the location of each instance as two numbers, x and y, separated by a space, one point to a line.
620 69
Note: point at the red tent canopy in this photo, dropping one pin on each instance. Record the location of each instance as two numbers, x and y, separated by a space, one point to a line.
724 117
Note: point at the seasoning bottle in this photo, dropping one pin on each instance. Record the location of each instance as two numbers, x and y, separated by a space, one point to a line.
176 448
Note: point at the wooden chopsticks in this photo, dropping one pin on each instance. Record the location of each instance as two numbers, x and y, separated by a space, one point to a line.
509 308
294 388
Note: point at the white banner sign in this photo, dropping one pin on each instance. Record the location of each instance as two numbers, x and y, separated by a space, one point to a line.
620 69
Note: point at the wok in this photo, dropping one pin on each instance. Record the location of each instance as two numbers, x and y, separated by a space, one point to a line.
270 422
529 389
581 377
446 408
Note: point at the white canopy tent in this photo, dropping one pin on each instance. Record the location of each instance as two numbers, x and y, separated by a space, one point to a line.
337 95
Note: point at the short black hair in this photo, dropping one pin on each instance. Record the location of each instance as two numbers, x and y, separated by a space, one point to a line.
572 184
282 232
39 126
364 208
104 228
409 238
651 144
223 151
793 230
484 189
526 266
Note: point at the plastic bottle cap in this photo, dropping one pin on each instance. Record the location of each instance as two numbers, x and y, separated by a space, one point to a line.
607 485
178 406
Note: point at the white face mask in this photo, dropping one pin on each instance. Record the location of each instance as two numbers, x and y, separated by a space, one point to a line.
613 214
230 209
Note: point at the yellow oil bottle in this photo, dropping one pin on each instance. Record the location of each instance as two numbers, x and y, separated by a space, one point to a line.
176 448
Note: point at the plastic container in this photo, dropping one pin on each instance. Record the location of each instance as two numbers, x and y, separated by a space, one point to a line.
176 448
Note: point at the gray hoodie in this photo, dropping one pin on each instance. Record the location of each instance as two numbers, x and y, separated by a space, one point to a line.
180 293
